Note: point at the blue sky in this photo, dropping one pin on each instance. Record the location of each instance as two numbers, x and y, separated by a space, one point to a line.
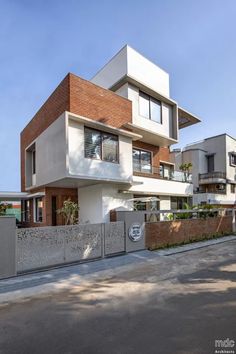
41 41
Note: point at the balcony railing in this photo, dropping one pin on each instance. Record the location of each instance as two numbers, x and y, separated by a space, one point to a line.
170 175
212 175
209 192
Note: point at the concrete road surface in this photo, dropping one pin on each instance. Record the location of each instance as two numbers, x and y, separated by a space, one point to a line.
175 304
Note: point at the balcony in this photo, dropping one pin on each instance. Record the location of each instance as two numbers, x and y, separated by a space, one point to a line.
213 198
212 177
154 172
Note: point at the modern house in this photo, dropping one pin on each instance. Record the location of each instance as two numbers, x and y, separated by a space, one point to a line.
213 169
104 143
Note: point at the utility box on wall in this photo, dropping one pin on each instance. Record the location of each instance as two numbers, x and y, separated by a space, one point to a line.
134 229
7 246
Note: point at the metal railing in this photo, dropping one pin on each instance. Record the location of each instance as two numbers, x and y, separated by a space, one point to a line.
177 176
221 175
210 192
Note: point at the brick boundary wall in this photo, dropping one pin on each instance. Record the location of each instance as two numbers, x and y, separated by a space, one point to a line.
163 233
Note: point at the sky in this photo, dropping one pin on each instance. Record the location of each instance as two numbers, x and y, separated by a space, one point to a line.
41 41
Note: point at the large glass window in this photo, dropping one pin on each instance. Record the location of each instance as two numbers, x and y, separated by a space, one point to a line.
100 145
26 210
142 161
38 209
149 107
180 202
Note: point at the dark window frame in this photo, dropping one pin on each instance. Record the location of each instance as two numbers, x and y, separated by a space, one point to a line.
232 188
36 219
102 133
33 161
233 160
26 210
150 98
151 157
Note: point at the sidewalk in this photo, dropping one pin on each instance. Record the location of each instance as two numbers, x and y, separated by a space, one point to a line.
58 279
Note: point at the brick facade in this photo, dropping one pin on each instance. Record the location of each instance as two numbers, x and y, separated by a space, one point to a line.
80 97
84 98
61 195
163 233
158 154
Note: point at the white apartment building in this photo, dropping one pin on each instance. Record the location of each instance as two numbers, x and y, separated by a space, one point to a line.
213 170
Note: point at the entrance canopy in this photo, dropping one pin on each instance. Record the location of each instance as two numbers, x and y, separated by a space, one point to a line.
18 196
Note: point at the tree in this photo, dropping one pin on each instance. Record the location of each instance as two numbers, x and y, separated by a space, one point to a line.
69 211
186 167
4 207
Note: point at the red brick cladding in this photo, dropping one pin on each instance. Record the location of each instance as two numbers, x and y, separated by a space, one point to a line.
163 233
92 101
61 194
158 154
81 97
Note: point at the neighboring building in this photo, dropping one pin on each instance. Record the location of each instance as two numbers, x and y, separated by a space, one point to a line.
104 143
213 171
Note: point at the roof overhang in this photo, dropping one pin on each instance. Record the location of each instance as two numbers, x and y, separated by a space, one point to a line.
149 136
18 196
143 87
13 196
104 127
186 118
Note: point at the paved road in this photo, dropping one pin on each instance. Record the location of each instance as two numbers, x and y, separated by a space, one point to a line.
175 304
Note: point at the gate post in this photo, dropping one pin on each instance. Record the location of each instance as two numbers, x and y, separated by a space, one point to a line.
7 246
233 221
134 229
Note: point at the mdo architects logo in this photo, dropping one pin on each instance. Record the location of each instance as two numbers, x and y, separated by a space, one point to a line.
224 346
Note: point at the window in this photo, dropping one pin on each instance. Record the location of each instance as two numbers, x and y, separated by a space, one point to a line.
180 202
232 188
149 107
166 171
26 210
100 145
210 163
146 202
142 161
33 162
38 209
233 159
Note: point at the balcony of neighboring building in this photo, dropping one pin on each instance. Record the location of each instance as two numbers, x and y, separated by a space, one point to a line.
212 178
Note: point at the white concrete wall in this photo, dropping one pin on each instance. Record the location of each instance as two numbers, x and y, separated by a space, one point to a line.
112 199
217 146
198 159
96 202
97 169
50 149
123 91
146 72
112 71
161 187
90 204
129 62
165 128
230 146
227 199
